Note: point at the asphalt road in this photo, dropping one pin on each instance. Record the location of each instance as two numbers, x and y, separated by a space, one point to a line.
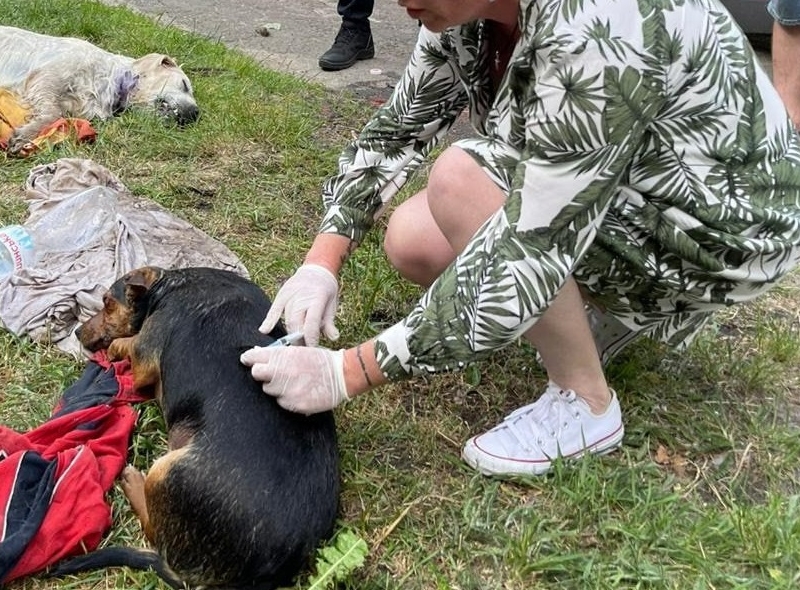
299 32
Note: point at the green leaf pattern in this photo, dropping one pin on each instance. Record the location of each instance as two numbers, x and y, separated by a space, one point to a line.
644 150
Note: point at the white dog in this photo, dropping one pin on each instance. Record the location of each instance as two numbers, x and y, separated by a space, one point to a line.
63 76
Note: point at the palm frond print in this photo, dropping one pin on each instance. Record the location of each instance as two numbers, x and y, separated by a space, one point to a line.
632 139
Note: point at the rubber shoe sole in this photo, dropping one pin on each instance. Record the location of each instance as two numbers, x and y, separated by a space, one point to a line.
335 66
487 464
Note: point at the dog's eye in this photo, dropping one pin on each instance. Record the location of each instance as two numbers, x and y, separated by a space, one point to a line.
186 86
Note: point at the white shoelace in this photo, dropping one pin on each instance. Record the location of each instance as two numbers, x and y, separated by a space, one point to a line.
543 419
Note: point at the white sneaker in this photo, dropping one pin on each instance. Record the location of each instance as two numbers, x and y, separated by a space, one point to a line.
558 424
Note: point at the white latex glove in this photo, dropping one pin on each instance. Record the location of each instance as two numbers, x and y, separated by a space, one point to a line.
304 380
308 300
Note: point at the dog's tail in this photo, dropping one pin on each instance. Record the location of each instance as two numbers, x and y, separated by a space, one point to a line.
139 559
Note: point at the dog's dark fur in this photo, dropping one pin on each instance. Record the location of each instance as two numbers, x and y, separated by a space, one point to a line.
247 490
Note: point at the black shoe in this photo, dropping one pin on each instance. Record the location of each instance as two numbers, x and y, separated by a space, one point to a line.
351 44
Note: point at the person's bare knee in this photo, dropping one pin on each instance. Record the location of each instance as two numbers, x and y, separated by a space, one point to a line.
427 231
461 196
414 244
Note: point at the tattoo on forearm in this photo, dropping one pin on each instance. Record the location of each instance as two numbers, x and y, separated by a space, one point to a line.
363 366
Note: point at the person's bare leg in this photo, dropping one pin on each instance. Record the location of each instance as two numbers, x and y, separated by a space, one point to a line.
414 244
785 70
569 354
427 230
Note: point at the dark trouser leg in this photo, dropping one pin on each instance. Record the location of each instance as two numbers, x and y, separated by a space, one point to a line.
355 12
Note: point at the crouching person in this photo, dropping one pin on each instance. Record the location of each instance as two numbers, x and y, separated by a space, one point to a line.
633 171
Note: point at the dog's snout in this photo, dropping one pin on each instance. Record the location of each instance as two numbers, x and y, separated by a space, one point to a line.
182 114
187 115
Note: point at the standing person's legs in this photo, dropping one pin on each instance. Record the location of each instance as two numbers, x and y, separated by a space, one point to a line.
577 413
786 54
355 12
354 40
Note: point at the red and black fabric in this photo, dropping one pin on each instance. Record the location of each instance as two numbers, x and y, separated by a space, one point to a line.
54 479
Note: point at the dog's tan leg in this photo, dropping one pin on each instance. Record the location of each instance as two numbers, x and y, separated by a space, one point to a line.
154 495
121 348
132 484
146 375
145 368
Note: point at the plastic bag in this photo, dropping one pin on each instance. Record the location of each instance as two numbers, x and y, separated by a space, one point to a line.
77 222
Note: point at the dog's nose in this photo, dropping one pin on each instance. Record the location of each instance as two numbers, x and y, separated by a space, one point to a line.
187 115
179 112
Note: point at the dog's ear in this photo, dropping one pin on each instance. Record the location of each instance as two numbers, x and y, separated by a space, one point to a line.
168 62
138 282
110 303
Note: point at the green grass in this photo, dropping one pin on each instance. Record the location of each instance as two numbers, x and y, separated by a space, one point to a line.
704 494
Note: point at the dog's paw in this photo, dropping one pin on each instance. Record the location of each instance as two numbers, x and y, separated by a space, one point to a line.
115 352
119 349
132 484
20 145
131 478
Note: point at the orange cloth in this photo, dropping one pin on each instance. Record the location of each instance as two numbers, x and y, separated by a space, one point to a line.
13 113
77 130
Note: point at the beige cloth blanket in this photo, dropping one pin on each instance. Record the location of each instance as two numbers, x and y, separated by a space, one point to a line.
89 230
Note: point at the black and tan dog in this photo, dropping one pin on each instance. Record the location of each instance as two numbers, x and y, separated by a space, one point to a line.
247 489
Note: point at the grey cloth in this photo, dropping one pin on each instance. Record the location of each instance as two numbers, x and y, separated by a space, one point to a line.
89 230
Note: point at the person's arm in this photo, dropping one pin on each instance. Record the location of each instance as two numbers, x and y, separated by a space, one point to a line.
330 251
371 170
361 369
310 380
398 137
